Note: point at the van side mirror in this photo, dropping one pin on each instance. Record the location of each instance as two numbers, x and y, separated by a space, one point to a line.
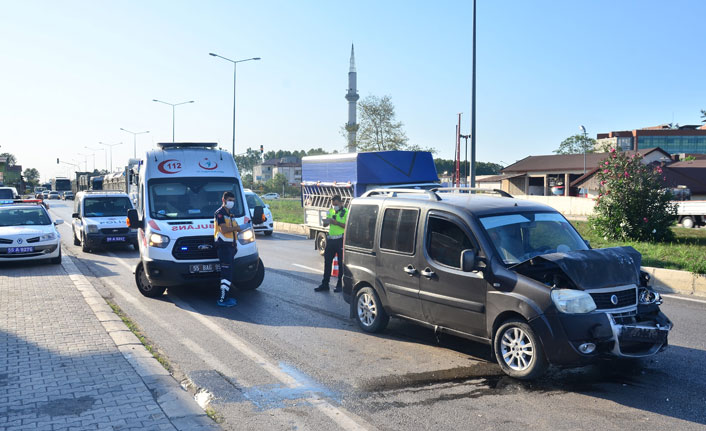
468 260
74 215
257 215
133 220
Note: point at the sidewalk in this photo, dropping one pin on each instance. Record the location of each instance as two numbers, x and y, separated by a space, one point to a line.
61 368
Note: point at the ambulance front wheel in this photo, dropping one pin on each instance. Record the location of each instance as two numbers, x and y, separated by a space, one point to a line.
254 282
144 285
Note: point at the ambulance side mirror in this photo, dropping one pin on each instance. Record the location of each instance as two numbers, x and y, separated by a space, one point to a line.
133 220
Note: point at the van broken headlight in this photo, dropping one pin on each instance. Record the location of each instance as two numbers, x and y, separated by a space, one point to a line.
647 296
573 301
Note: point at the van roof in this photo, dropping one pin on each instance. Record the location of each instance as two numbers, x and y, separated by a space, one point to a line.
164 145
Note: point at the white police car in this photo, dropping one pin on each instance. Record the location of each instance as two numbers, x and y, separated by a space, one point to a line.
99 220
28 233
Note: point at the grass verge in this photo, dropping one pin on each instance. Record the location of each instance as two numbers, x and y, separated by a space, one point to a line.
136 330
287 210
687 252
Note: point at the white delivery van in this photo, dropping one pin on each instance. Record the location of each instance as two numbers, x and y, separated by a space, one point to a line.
180 188
99 220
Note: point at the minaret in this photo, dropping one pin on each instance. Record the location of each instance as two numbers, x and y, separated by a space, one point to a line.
352 98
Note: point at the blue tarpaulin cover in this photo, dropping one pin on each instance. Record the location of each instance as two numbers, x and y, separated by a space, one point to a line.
379 168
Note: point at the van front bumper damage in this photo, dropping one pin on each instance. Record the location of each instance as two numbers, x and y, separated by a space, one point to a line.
169 273
637 333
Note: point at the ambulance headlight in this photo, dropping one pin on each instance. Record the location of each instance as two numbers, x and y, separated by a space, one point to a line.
92 228
157 240
247 236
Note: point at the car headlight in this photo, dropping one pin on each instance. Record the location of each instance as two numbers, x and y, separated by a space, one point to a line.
157 240
47 237
573 301
246 236
91 228
647 296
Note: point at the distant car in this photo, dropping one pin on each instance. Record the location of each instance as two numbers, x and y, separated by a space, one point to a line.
67 196
54 195
28 233
45 194
266 225
270 196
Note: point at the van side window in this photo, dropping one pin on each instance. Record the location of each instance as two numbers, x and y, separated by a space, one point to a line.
360 230
398 230
445 242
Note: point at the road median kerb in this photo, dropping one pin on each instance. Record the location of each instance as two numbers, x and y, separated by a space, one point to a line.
178 405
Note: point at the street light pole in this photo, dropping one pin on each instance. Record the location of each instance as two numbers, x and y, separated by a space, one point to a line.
85 161
173 105
583 144
473 104
105 153
110 146
235 64
134 137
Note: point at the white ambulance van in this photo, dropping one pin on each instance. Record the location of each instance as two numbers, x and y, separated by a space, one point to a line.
180 189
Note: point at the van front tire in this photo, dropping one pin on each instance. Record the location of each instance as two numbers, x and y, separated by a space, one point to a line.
256 281
519 351
369 312
144 285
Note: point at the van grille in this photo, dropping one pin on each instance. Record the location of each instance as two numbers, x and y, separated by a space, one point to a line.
626 298
115 230
194 248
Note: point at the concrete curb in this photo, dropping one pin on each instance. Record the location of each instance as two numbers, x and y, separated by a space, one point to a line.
176 403
675 281
664 280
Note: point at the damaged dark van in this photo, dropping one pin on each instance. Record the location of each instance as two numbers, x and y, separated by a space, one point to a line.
506 272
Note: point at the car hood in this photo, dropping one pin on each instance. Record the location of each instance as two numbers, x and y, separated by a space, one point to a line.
10 231
114 221
590 269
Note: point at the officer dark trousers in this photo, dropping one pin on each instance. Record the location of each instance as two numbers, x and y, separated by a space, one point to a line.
226 254
333 247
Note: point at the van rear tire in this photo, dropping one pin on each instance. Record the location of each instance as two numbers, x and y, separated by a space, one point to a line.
369 312
144 285
256 281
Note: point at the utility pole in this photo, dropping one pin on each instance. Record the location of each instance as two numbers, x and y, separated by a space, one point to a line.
465 166
473 104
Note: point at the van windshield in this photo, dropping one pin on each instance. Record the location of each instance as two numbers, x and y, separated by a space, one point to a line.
191 197
254 201
522 236
106 206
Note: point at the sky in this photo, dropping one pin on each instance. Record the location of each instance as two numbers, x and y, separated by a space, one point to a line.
75 72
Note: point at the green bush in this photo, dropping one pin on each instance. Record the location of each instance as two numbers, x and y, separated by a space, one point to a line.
633 203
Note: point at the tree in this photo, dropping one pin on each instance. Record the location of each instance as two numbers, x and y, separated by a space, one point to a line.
31 175
247 161
482 168
703 115
11 159
378 129
576 144
633 202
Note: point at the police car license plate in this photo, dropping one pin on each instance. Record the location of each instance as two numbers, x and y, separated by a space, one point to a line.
14 250
115 239
204 267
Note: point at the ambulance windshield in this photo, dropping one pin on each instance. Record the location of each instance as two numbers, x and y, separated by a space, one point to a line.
191 198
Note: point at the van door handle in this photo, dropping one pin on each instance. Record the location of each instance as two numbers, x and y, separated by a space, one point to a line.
411 270
427 272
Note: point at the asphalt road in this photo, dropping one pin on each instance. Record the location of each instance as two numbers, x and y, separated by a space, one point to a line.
289 358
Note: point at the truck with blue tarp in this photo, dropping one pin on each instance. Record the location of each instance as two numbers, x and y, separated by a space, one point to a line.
350 175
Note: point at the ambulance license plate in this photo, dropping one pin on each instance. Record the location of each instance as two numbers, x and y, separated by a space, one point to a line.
115 239
13 250
199 268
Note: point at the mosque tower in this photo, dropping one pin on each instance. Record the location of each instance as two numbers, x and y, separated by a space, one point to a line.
352 98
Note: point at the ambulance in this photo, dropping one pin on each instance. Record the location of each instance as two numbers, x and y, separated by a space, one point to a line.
179 190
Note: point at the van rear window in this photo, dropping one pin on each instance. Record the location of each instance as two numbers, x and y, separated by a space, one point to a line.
360 231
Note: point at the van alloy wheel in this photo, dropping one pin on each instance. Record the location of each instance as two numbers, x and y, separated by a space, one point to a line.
367 310
371 314
517 349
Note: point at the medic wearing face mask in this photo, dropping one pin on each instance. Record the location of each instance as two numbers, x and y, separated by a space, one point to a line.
336 221
225 237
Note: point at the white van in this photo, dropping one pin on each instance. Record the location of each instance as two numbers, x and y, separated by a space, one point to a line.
180 188
99 220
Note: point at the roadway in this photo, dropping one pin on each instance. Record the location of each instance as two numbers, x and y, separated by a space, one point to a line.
289 358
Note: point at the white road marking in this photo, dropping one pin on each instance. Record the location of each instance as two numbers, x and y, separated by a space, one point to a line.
701 301
308 268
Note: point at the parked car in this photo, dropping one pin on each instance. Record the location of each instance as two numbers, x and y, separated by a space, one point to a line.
270 196
54 195
67 196
266 225
99 220
28 233
510 273
45 194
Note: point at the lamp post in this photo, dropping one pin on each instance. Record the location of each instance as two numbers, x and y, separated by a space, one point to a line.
583 129
110 146
105 153
173 105
235 64
85 161
134 140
